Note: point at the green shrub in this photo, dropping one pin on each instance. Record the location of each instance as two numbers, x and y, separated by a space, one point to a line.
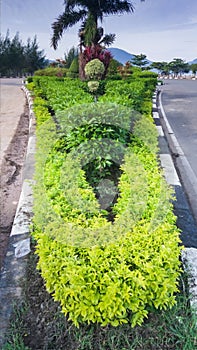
41 111
104 272
94 69
62 94
30 79
135 93
31 86
124 92
148 75
113 67
101 87
73 71
52 72
93 85
114 284
74 67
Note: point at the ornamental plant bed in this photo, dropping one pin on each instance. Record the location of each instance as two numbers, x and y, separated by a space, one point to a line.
103 269
39 324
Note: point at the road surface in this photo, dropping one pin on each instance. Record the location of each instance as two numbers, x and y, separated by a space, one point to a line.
179 99
12 101
14 132
179 102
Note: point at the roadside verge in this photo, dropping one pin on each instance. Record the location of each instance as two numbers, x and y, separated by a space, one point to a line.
14 266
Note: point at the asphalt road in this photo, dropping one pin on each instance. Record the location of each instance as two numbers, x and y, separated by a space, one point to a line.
179 99
12 102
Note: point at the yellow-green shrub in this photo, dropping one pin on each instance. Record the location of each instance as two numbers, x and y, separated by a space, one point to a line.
103 272
41 110
52 72
114 284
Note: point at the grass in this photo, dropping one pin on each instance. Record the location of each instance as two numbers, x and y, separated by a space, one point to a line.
38 324
16 331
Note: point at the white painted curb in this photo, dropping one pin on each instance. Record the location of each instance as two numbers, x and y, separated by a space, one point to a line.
22 220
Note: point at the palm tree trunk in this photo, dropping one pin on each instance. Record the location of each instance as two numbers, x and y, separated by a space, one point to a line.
81 67
81 63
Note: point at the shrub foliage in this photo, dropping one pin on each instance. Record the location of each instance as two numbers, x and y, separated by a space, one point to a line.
101 270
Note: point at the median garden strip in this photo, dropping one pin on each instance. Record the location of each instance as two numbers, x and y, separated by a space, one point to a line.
105 263
138 253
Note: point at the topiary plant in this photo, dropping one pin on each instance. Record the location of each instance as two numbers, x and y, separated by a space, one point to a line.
94 69
93 85
74 68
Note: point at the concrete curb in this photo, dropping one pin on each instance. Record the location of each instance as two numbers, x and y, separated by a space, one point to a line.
189 181
14 267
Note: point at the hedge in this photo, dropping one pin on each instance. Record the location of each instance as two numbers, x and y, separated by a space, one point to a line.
101 271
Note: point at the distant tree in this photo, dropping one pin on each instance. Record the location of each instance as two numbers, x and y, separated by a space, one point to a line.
139 61
193 68
113 67
126 70
74 68
4 50
178 66
34 58
17 58
162 67
70 55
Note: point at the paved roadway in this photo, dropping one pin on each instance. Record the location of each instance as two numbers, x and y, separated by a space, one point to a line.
179 99
12 102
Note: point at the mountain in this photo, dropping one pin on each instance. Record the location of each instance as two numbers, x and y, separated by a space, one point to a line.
194 61
122 56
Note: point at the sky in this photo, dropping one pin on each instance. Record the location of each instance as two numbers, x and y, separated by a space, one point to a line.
160 29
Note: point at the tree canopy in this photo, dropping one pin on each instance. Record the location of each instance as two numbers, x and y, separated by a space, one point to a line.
17 58
178 66
193 68
140 61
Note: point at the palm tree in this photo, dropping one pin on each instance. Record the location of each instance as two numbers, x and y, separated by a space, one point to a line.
89 12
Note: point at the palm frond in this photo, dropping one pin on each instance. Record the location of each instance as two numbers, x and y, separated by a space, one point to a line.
117 7
63 22
108 39
78 10
110 7
98 36
70 4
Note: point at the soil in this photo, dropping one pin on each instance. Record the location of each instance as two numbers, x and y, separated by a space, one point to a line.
11 179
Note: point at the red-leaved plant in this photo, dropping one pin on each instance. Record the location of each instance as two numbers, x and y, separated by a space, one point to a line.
97 51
